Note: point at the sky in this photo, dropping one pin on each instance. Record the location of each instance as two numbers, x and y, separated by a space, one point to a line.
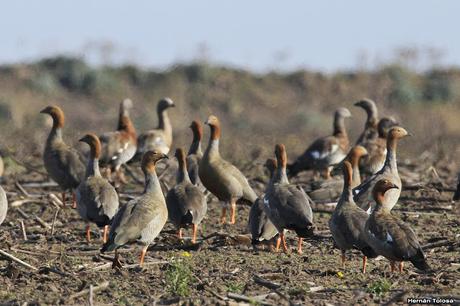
252 34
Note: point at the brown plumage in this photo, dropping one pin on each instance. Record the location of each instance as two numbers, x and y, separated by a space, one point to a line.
62 162
370 131
376 148
120 146
363 192
260 226
287 205
348 221
194 153
330 190
186 203
143 218
325 152
388 235
159 139
97 200
222 178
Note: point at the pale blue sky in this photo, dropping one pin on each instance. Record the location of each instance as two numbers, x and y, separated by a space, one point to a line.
258 35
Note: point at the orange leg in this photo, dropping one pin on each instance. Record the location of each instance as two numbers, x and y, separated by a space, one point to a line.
233 213
223 219
401 266
74 200
106 231
179 233
195 229
364 263
343 259
63 198
278 244
299 245
283 240
88 233
392 266
144 250
328 173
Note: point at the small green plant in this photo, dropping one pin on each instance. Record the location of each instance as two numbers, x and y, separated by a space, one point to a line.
179 276
235 287
379 287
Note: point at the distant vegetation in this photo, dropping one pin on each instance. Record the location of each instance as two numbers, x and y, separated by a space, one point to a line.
257 110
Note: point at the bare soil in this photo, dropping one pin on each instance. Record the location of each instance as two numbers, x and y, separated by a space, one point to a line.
223 264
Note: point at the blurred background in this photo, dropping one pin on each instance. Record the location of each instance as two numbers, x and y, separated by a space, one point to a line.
273 71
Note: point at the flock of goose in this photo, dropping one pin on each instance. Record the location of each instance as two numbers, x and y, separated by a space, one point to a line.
362 219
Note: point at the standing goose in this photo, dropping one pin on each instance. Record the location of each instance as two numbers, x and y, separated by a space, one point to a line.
376 149
3 205
388 235
330 190
287 205
159 139
260 226
142 218
97 200
325 152
370 131
348 221
220 177
186 203
194 153
120 146
363 193
62 162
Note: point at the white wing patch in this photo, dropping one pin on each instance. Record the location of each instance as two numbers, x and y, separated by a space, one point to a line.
389 238
334 147
369 210
266 203
315 154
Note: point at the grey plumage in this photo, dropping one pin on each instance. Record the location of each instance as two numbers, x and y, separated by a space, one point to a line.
159 139
142 218
62 162
388 235
287 205
260 226
222 178
186 203
97 200
348 220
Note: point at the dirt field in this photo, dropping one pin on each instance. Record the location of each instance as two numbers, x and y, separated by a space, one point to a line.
222 268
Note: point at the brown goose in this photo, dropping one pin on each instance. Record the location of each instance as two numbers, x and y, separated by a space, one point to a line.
376 149
287 205
348 221
3 205
194 153
388 235
370 132
120 146
186 203
325 152
97 200
62 162
159 139
260 226
142 218
330 190
363 193
220 177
